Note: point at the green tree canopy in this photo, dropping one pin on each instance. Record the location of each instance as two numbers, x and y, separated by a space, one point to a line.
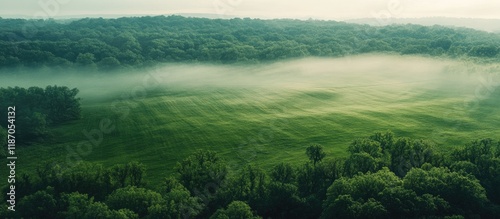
315 153
135 199
235 210
204 170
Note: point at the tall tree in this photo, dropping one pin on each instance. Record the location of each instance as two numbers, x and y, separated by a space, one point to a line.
315 153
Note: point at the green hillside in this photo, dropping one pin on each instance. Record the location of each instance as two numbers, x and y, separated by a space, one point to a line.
253 122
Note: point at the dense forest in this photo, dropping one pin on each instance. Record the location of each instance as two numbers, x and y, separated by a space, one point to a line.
111 43
382 177
38 110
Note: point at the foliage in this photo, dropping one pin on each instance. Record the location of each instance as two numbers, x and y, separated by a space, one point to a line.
202 171
385 140
178 202
138 41
378 195
366 155
480 158
407 153
460 190
85 178
40 204
315 153
136 199
251 185
130 174
101 211
76 204
464 193
37 108
284 173
81 206
235 210
3 142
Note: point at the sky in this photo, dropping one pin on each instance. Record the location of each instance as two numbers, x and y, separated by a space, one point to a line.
302 9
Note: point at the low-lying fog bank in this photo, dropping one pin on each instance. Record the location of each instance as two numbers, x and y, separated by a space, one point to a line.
381 71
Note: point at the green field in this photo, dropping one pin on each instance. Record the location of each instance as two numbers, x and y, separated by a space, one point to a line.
267 114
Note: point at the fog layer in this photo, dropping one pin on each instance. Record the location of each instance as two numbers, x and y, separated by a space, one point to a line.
376 71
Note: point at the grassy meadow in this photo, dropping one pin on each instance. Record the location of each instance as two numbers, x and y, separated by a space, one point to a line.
269 113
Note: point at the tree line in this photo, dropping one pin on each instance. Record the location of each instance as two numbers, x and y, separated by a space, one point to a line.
382 177
38 108
142 41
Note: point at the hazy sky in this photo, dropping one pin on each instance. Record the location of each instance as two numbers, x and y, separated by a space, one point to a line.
322 9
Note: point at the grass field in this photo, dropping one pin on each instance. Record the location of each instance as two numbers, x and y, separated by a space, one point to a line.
269 114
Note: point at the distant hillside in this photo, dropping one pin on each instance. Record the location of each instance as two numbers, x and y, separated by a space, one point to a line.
490 25
141 41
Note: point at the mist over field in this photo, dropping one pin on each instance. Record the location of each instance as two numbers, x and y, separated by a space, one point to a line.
264 115
377 71
407 94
